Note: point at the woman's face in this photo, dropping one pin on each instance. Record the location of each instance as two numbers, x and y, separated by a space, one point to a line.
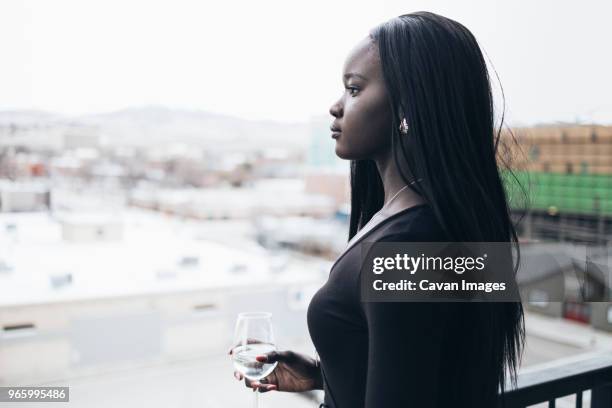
362 114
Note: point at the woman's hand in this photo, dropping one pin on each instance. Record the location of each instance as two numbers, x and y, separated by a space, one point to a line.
294 372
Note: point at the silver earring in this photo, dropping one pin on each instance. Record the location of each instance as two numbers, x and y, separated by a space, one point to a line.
403 128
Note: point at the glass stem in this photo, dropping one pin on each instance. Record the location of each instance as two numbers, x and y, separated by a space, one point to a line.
256 399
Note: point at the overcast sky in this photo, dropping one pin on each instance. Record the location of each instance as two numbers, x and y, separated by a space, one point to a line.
283 59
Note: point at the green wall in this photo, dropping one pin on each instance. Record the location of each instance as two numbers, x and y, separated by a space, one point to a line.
569 193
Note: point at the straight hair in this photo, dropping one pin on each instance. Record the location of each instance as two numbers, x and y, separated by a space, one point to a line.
437 79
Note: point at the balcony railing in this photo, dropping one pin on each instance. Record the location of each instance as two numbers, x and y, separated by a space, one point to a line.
547 382
573 376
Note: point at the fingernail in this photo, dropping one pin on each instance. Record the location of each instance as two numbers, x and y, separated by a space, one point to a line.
236 375
271 387
261 358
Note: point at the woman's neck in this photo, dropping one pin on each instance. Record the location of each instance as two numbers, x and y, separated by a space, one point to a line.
393 182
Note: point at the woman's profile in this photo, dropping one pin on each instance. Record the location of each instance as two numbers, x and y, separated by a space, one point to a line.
416 120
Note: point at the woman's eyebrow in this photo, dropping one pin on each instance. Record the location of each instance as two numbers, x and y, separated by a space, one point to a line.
352 74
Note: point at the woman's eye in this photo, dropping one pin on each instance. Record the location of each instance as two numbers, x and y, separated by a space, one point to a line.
352 90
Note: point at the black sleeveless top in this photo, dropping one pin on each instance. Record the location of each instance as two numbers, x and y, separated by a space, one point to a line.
391 354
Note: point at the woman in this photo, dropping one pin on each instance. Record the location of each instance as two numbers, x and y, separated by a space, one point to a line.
416 121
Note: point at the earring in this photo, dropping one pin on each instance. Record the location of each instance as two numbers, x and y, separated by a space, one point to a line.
403 128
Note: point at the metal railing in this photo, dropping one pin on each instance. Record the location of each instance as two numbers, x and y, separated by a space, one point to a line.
573 376
550 381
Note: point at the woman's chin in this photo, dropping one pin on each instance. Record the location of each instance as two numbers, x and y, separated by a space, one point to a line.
341 153
344 153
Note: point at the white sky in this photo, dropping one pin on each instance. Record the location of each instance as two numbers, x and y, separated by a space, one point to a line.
283 59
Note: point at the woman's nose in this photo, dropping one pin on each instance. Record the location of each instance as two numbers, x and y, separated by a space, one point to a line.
336 110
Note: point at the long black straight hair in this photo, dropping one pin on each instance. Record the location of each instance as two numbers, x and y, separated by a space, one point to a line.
437 79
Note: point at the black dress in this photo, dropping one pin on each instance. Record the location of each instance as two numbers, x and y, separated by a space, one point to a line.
390 354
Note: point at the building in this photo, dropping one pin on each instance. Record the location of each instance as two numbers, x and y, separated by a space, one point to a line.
566 171
562 280
276 197
326 173
78 308
24 196
98 227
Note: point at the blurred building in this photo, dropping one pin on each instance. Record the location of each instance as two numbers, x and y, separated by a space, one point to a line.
567 280
567 172
158 295
91 228
280 197
82 137
326 173
24 196
325 237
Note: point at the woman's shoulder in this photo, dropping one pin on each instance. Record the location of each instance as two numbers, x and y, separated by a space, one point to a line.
415 224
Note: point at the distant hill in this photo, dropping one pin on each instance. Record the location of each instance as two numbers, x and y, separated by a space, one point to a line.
158 124
27 117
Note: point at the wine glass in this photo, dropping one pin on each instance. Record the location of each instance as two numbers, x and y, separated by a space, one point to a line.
253 336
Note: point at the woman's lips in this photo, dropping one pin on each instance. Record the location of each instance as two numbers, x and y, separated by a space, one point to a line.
335 134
